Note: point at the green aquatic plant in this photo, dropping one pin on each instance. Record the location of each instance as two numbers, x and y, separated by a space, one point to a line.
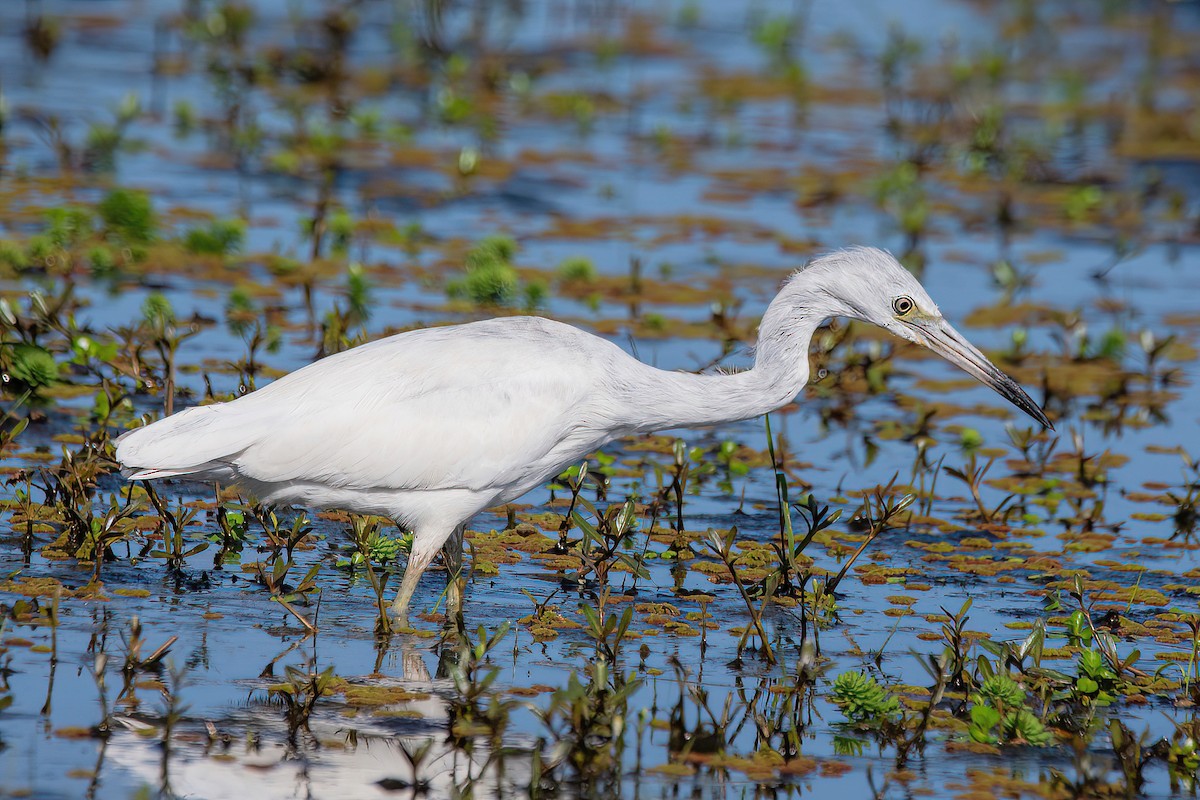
28 367
128 215
600 547
345 325
172 528
1082 203
686 465
999 715
68 226
105 139
274 577
282 539
901 192
490 279
1096 684
973 475
231 536
472 672
881 510
377 555
221 237
1001 690
160 328
358 294
1078 631
863 701
576 270
240 311
96 535
955 658
731 465
817 518
341 227
721 544
13 258
1018 727
1105 644
775 37
245 319
609 630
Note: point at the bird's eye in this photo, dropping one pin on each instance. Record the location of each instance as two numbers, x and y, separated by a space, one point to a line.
902 305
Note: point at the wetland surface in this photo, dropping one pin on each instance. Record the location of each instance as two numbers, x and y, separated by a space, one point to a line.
899 589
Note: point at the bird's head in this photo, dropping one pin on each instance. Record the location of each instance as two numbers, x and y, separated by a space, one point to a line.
869 284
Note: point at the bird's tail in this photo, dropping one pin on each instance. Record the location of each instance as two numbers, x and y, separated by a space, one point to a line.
203 439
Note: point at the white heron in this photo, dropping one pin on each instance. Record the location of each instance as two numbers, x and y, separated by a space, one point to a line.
432 426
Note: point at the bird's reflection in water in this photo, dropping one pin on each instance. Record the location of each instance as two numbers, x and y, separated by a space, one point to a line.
409 747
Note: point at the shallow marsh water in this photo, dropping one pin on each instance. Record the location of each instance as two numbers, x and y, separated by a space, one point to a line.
1009 152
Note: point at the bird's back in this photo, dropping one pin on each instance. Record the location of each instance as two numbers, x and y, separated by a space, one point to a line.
469 406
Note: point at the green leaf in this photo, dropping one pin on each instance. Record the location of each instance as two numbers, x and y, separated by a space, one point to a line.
984 716
16 430
588 529
595 627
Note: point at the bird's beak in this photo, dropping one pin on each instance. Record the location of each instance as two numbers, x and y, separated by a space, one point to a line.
941 338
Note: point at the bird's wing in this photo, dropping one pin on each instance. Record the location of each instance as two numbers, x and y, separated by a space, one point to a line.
431 409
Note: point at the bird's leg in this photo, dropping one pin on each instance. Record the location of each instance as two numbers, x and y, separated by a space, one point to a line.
454 633
418 560
452 557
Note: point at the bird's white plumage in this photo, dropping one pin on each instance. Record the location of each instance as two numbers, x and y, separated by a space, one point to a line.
431 426
484 408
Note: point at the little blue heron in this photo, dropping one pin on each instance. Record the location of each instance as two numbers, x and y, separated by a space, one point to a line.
432 426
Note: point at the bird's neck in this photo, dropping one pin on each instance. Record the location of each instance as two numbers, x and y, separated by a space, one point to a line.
780 372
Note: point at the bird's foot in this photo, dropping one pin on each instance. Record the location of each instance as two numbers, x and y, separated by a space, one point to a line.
399 619
454 598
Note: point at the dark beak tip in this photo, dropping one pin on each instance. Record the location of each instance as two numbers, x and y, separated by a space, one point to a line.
950 344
